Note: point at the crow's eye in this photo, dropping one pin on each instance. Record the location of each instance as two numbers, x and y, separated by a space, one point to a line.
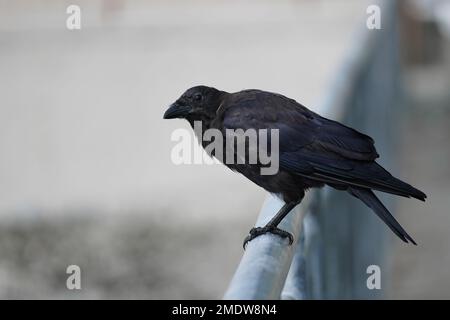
197 97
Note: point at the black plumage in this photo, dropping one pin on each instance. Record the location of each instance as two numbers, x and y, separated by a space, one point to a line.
313 151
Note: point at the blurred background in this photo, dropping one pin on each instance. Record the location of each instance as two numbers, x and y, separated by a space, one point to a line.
85 171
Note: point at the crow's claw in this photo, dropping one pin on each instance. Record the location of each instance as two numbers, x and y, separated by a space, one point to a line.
256 232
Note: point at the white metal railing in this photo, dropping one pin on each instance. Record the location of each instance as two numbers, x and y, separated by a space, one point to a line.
267 257
334 237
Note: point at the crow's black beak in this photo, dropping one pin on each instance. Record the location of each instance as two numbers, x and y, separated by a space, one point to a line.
177 110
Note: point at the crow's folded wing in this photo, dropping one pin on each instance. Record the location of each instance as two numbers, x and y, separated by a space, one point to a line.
257 110
313 146
298 127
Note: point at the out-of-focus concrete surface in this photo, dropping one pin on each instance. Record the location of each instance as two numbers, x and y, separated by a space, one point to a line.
125 257
85 170
423 272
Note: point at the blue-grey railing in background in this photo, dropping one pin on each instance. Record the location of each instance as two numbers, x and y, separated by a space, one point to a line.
336 237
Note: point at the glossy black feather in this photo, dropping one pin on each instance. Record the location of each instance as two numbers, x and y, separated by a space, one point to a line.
369 198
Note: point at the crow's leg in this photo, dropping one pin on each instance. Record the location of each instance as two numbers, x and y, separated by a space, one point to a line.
271 226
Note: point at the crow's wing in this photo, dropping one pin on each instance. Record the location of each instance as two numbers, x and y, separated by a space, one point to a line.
313 146
254 109
299 128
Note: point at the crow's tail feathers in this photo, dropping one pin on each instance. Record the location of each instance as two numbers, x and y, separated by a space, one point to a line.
403 189
371 200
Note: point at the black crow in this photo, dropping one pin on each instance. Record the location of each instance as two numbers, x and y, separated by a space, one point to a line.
313 151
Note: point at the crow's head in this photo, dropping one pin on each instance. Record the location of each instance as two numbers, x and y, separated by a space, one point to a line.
196 103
